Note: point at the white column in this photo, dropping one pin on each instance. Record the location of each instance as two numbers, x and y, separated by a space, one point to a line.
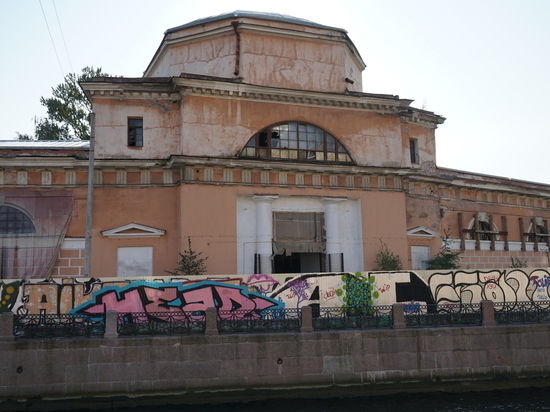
264 231
332 228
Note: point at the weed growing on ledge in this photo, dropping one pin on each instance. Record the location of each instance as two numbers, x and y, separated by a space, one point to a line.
445 258
190 264
387 260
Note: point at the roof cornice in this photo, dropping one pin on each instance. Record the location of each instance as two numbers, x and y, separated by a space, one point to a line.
177 87
132 88
384 104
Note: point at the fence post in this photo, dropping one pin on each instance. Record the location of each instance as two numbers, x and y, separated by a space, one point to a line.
6 326
306 312
398 311
211 320
111 324
487 313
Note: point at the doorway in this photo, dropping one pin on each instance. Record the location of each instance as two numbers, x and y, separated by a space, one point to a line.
299 263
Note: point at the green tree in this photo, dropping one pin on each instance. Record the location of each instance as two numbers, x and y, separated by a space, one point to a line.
387 260
445 258
190 263
68 110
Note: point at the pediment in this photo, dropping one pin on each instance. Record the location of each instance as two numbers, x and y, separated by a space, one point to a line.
133 230
421 231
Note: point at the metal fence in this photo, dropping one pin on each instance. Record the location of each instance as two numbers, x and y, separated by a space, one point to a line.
352 318
275 320
160 323
269 320
58 326
430 316
522 312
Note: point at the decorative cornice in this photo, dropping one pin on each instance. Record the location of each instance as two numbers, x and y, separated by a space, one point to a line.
140 231
421 232
386 103
148 88
177 87
291 167
543 191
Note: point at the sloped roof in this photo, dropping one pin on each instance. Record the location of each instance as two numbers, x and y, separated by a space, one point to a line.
254 15
45 144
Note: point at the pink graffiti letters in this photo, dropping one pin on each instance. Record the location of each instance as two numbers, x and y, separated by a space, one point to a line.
264 283
150 297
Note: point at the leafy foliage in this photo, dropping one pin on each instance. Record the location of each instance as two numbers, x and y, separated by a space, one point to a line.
387 260
190 264
68 110
445 258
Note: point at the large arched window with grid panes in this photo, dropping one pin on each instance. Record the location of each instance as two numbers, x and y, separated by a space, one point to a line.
297 142
14 221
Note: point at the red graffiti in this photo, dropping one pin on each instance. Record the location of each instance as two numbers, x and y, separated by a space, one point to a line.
330 294
384 288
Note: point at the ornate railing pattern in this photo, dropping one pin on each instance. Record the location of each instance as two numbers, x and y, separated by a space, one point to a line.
274 320
269 320
161 323
58 326
352 318
522 312
452 314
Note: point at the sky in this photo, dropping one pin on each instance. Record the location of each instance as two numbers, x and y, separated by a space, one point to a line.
482 64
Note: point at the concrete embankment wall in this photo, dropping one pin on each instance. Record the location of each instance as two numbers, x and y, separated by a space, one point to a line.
255 366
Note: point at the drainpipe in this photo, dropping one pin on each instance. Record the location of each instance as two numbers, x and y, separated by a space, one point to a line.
90 201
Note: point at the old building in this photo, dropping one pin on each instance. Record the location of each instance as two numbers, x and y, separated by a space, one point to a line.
250 134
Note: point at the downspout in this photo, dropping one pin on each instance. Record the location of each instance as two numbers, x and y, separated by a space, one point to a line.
90 201
235 25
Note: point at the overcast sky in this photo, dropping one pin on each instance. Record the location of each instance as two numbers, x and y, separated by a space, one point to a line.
482 64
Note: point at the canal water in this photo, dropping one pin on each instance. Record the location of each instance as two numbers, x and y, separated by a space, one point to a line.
521 400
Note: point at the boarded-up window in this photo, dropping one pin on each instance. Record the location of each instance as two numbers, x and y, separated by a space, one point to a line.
298 232
135 261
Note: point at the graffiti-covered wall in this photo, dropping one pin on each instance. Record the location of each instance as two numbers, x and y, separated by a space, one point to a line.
254 293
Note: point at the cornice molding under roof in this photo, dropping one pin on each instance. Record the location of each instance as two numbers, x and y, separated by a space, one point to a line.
229 89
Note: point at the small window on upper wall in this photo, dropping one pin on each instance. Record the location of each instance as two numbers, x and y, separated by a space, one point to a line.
413 145
135 132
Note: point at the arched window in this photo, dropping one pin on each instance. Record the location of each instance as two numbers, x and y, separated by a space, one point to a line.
538 227
13 220
481 226
296 141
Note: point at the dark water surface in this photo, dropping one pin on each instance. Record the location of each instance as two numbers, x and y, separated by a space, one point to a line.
523 400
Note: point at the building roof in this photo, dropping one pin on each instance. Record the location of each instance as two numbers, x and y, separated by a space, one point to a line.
283 18
45 144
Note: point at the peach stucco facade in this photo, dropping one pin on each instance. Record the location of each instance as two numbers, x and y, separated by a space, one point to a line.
211 164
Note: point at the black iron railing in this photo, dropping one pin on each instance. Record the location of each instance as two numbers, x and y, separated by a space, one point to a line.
161 323
269 320
522 312
430 316
58 326
274 320
352 318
